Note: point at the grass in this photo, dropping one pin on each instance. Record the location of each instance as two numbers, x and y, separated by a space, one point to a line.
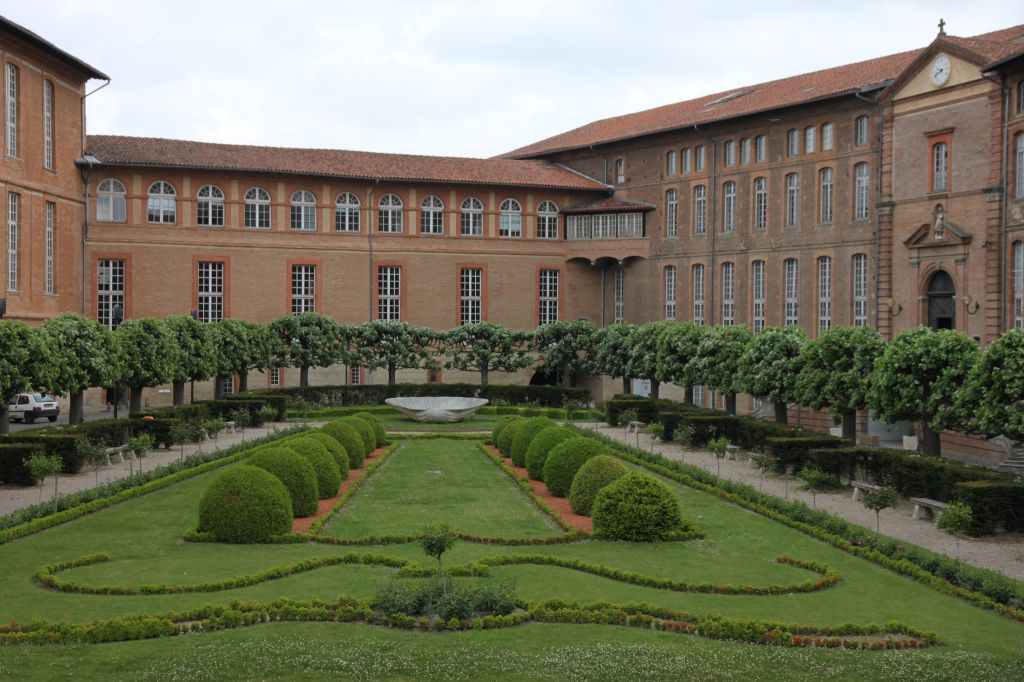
142 538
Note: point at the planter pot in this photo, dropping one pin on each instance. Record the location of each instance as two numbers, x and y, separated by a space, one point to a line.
910 443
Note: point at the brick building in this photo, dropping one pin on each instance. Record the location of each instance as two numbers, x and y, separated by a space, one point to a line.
883 193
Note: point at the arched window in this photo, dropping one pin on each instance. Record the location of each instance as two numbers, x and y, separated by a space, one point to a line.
745 151
389 214
698 293
860 290
210 206
825 187
161 206
700 199
810 141
699 153
793 142
791 307
670 163
728 294
757 295
671 209
861 131
111 206
511 219
1019 193
1018 285
685 164
826 137
824 293
729 153
431 215
941 301
792 199
472 217
760 203
670 292
346 212
729 206
303 211
860 191
547 220
940 167
257 208
761 148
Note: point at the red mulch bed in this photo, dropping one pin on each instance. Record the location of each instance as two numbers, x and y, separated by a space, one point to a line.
303 525
559 504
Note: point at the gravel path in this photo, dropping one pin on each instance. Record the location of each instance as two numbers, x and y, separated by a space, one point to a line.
1003 553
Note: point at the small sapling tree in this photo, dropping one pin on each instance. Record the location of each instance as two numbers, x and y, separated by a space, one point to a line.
140 445
718 447
93 455
241 418
180 434
435 541
877 500
655 430
41 466
955 520
814 482
213 427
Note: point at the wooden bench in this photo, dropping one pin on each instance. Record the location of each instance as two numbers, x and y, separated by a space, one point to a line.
862 487
931 506
635 427
119 451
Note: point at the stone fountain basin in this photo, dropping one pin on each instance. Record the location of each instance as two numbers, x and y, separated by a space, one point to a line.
438 410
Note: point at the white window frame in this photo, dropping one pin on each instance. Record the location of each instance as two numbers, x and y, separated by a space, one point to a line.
11 99
757 295
510 219
547 220
671 212
389 292
619 296
670 163
1018 285
256 212
729 206
111 201
274 376
303 288
826 137
862 184
699 154
227 384
730 153
346 212
432 215
548 296
792 200
793 142
210 287
471 295
761 146
669 278
791 283
940 167
13 239
810 140
48 124
210 206
162 204
1019 193
471 220
620 171
685 162
700 201
744 151
760 203
728 294
698 293
389 214
860 290
860 131
303 211
824 293
49 247
111 284
355 375
826 188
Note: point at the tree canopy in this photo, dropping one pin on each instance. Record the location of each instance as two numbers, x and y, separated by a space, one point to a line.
567 347
771 363
485 347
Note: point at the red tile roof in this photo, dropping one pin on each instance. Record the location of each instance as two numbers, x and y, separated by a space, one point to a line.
46 46
785 92
117 150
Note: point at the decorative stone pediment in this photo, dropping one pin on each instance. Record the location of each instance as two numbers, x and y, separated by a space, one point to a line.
940 232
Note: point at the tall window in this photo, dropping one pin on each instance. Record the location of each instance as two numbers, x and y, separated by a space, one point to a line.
824 293
274 376
860 191
110 201
757 295
1018 285
389 292
257 208
698 293
745 151
686 160
210 206
826 137
825 196
699 152
619 297
548 296
110 289
49 247
760 203
211 291
670 292
761 143
470 295
13 211
1020 166
303 288
728 294
791 306
355 375
671 206
431 215
346 212
48 125
227 386
940 167
12 110
162 202
700 201
510 220
730 153
547 220
793 142
303 216
860 131
670 163
792 199
729 206
389 214
472 218
620 171
810 141
860 290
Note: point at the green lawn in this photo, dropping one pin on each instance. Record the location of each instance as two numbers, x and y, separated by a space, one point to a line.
142 538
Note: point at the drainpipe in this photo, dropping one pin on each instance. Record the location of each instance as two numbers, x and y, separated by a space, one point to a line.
90 161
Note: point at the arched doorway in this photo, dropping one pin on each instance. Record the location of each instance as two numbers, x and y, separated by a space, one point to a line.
941 301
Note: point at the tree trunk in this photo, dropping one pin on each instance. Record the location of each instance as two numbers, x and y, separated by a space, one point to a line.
243 381
392 374
483 375
655 388
75 408
218 388
688 396
135 400
5 424
781 413
850 426
932 441
626 385
304 376
178 393
730 403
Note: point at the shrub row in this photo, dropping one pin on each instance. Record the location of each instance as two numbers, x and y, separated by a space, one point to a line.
245 504
64 446
12 462
994 505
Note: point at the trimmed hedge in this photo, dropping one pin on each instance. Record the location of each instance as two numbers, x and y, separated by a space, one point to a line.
224 408
565 459
593 476
375 394
245 504
637 508
540 448
525 435
500 425
670 421
349 439
508 435
377 424
646 408
334 448
12 462
107 433
994 505
295 472
793 451
278 402
159 429
328 474
365 431
63 445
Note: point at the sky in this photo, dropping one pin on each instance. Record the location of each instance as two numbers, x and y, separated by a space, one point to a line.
453 78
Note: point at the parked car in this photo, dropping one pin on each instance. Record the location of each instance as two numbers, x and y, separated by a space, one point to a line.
27 407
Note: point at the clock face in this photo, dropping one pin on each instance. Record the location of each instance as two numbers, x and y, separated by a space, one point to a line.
940 69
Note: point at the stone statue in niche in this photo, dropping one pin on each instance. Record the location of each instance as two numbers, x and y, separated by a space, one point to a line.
940 220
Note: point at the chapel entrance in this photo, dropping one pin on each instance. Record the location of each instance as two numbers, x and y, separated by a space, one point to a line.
941 301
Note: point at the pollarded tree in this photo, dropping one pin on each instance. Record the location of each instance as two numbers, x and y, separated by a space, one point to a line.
239 346
717 362
85 355
643 353
485 347
396 345
196 358
306 340
26 363
992 403
770 366
677 346
149 355
836 373
611 352
567 348
918 377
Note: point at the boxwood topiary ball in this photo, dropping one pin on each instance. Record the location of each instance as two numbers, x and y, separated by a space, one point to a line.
636 508
328 476
595 474
508 434
295 472
349 439
525 435
540 447
245 504
333 447
500 425
565 459
377 424
364 430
